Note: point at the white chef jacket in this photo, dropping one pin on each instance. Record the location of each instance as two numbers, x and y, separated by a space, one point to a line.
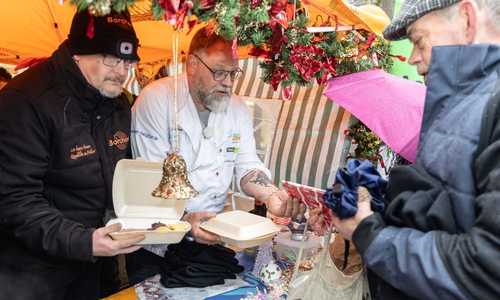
211 162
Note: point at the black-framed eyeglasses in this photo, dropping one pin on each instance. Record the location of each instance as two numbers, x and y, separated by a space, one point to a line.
220 75
113 61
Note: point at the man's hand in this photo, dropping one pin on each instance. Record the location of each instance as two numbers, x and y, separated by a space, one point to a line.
347 226
201 236
281 204
104 245
256 184
317 221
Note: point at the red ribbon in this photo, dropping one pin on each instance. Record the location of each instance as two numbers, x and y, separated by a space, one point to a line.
368 42
90 27
287 92
207 3
171 6
234 47
255 3
278 75
400 57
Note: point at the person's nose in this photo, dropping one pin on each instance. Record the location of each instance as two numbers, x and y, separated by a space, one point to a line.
227 81
415 57
121 69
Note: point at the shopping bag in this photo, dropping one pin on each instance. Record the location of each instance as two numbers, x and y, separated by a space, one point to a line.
327 282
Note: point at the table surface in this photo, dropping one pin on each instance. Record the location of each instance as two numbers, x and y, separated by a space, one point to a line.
245 260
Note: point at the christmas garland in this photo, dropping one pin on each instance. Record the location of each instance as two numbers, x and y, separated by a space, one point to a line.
275 30
368 144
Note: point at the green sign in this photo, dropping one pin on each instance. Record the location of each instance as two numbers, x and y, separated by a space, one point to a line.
403 48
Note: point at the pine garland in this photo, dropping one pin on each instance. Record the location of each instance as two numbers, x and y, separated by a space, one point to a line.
368 143
277 31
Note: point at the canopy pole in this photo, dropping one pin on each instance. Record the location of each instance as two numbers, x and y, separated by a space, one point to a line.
56 25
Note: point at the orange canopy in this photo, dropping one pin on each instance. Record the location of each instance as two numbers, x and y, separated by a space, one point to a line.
35 28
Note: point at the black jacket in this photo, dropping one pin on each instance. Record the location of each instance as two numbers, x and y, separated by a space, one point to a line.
59 142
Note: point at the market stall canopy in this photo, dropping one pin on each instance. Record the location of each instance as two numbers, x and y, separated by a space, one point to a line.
35 28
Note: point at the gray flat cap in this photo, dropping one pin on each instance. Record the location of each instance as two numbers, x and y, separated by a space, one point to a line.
410 11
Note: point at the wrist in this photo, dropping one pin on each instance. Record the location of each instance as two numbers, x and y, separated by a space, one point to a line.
266 202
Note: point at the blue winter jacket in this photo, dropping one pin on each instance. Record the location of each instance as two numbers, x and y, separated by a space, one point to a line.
459 153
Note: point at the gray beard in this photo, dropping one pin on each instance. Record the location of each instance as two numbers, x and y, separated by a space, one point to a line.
110 94
214 103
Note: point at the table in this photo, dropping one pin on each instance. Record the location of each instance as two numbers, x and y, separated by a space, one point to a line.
245 260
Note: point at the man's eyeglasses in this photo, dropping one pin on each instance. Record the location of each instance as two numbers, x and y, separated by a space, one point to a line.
113 61
220 75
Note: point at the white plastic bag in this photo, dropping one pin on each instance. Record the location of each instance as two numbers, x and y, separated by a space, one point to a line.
327 282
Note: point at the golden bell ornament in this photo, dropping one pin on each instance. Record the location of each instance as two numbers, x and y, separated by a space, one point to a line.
174 182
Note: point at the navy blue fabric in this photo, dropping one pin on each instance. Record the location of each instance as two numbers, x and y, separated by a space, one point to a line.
342 198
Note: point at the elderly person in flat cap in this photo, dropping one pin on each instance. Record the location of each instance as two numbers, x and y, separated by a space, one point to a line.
65 125
440 237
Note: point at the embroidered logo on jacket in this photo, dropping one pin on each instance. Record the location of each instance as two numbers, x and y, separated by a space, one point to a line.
232 149
80 151
119 140
236 137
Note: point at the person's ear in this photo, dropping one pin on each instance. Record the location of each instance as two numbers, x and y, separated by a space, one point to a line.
469 11
191 64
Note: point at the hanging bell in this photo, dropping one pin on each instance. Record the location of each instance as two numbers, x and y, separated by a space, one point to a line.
174 182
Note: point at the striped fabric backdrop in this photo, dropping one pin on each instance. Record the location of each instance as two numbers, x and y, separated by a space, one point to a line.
131 83
301 140
308 143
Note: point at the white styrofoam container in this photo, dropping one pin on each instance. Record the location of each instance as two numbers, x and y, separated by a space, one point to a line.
134 181
241 229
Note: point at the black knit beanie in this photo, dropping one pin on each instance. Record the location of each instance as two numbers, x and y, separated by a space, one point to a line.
113 34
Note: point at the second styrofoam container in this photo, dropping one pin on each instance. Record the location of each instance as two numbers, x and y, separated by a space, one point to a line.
241 229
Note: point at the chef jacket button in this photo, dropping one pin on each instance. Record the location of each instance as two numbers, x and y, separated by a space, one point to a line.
215 196
217 173
220 150
98 117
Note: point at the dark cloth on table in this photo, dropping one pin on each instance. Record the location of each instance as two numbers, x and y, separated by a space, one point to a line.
196 265
142 264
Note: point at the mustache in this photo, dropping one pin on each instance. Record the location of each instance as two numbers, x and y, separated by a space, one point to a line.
221 89
117 79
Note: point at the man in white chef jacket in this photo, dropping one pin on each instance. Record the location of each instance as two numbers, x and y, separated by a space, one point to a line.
215 135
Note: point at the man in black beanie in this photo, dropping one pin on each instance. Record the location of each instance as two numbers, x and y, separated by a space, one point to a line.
65 125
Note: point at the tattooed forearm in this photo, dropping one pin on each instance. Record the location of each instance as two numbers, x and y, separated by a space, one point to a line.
256 177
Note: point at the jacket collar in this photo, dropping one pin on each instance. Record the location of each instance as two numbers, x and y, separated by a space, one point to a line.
456 70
